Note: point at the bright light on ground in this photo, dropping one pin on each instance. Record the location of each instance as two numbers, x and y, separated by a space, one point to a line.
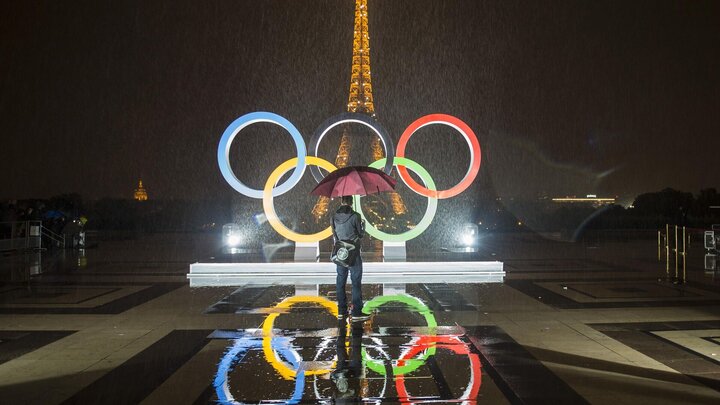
468 240
233 240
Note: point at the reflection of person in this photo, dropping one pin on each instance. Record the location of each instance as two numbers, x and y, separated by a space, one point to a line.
347 374
348 226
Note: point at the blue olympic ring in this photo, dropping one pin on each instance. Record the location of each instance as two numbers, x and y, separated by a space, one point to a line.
246 120
237 353
252 118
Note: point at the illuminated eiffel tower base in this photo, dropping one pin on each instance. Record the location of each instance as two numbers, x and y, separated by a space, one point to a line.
390 217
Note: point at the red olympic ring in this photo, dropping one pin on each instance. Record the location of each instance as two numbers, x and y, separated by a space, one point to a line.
470 138
449 342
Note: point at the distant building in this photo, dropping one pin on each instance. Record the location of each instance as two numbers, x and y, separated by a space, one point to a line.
140 192
590 199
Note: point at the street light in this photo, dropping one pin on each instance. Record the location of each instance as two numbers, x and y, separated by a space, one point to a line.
469 235
232 237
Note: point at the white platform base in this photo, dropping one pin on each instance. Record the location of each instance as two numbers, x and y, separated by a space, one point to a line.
307 290
307 251
235 274
394 288
394 251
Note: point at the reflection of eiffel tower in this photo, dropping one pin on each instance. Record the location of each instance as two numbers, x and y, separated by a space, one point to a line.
361 101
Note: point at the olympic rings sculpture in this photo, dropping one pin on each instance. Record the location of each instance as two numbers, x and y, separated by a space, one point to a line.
282 355
393 158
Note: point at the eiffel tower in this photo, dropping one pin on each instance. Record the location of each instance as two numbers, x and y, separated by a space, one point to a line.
360 100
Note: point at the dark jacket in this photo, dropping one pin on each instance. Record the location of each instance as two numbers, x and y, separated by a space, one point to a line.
347 224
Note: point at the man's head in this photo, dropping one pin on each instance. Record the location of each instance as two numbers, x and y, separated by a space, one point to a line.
346 200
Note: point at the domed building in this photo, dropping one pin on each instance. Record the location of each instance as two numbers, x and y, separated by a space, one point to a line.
140 192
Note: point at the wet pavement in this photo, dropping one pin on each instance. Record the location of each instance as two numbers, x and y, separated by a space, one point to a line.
571 323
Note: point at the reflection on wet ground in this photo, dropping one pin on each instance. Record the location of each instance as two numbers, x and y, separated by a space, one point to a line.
316 357
570 324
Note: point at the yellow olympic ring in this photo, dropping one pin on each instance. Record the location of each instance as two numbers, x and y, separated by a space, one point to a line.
267 331
269 207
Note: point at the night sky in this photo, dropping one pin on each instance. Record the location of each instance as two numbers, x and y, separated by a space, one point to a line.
566 97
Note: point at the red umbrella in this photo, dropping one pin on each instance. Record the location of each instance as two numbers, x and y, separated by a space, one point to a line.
354 180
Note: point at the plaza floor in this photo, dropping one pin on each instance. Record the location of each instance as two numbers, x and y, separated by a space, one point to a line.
573 323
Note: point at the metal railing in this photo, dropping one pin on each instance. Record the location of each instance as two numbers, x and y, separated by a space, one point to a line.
24 235
711 242
682 240
56 238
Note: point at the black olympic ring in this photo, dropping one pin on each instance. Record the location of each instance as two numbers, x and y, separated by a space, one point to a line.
344 118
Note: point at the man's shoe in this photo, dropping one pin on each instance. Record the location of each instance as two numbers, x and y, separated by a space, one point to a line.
360 318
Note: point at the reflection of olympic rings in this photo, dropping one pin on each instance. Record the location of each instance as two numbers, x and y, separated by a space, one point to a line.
429 211
280 353
267 328
323 346
414 303
302 160
448 342
237 353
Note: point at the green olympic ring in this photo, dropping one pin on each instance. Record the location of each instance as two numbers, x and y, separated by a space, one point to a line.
429 212
414 303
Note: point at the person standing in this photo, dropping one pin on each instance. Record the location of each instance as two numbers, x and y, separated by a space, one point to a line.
348 226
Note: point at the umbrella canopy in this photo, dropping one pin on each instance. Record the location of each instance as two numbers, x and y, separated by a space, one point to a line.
354 180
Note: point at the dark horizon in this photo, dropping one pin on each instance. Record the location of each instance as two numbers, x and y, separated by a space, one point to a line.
571 97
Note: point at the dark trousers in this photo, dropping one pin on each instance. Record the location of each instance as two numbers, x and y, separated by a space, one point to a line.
356 279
